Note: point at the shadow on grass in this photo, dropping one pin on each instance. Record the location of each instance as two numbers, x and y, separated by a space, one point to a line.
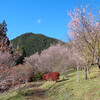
36 92
58 81
70 75
62 80
17 97
35 85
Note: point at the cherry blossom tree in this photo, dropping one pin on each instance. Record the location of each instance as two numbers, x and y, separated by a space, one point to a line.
84 35
8 59
55 58
34 62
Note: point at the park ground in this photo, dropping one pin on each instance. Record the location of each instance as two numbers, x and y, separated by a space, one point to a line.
67 88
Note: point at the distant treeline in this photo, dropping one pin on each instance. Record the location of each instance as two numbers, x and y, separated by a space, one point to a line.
32 43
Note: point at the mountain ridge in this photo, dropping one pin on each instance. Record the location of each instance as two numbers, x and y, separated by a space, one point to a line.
33 43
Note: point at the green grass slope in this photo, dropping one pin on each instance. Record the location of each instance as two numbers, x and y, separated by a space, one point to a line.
70 89
65 89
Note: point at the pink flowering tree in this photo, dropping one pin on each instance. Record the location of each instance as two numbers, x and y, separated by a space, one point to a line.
8 59
84 35
56 58
34 62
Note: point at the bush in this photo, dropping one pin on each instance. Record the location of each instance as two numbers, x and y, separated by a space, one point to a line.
38 76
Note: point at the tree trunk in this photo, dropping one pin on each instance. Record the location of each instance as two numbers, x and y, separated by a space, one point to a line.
88 72
85 72
98 66
78 73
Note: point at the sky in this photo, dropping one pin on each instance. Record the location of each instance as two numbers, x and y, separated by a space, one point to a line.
47 17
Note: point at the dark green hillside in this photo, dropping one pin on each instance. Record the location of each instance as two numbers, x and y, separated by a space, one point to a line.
33 43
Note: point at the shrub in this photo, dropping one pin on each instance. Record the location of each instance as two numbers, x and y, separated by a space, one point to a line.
54 76
38 76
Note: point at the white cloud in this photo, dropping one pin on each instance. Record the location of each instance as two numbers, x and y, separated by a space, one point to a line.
39 21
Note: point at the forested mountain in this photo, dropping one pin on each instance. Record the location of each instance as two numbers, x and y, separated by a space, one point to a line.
33 43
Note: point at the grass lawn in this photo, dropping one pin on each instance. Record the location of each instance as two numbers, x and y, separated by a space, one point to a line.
65 89
70 89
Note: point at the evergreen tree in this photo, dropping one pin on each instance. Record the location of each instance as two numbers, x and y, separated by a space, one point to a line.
21 52
3 28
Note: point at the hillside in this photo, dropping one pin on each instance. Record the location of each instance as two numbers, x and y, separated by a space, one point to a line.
70 89
33 43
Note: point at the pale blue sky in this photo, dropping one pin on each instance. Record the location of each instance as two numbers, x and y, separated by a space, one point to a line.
48 17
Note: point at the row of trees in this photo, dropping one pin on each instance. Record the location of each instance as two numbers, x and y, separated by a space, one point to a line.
10 74
84 36
55 58
82 51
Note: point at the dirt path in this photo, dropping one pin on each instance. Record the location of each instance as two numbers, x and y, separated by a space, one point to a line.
37 93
